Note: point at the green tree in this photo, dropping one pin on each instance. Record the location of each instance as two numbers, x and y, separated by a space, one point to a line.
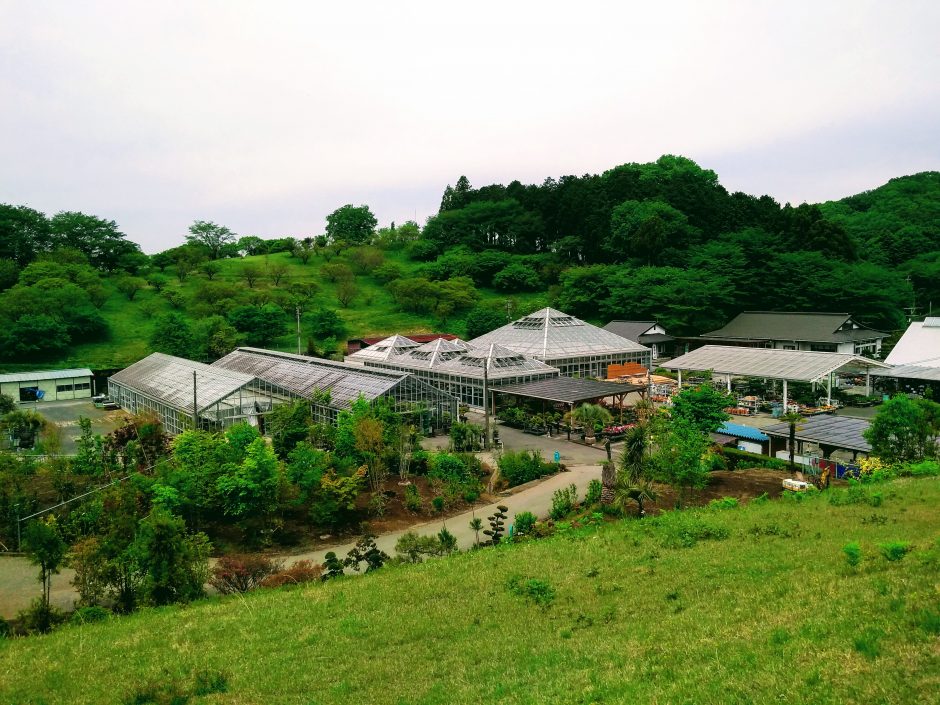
46 549
174 565
702 406
483 319
251 489
351 224
98 239
517 277
260 325
288 425
643 229
905 430
678 460
24 233
129 286
211 236
173 335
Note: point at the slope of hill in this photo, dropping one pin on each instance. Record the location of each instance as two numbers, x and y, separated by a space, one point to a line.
754 604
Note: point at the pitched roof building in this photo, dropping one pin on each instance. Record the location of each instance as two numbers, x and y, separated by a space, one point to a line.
647 333
818 332
920 345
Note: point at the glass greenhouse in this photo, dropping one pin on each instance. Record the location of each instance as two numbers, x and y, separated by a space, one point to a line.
574 347
181 392
333 386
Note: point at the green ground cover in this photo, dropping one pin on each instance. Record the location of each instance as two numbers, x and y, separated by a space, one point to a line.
372 312
748 604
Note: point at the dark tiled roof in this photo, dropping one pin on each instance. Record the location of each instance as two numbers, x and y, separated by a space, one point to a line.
569 390
839 431
631 330
781 325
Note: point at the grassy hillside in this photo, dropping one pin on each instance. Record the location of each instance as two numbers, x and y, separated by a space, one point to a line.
765 611
372 312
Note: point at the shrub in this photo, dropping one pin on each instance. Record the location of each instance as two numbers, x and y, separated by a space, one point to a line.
449 467
724 503
438 504
87 615
855 494
299 572
926 468
497 524
563 502
413 548
739 458
524 523
519 467
538 591
895 550
853 553
241 573
40 617
593 495
333 566
366 551
413 501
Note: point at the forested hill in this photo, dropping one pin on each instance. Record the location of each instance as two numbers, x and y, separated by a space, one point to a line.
663 240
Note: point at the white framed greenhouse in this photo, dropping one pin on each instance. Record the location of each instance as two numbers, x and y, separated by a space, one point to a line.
332 386
576 348
185 394
459 369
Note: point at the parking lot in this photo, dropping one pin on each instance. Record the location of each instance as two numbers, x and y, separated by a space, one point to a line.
65 415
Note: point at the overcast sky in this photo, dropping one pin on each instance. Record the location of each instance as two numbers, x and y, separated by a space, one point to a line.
266 116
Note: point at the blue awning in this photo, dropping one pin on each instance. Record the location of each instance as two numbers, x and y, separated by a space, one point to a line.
741 431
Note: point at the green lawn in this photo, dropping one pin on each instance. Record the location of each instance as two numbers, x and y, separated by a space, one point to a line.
373 312
771 613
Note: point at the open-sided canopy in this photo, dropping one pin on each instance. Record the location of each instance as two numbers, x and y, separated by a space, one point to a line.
793 365
836 431
569 390
926 371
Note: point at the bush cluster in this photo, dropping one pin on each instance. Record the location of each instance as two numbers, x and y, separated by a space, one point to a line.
519 467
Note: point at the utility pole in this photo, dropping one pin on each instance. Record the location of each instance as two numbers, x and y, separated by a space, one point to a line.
486 400
195 405
19 542
297 311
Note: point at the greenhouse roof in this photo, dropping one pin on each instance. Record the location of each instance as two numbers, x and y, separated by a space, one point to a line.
793 365
437 351
303 375
169 380
550 334
385 349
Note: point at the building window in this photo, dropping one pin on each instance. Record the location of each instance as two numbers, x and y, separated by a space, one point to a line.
63 387
823 347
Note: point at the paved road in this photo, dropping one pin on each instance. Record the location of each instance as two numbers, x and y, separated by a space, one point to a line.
19 584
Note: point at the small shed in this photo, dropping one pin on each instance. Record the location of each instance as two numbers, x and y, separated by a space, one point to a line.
48 385
746 438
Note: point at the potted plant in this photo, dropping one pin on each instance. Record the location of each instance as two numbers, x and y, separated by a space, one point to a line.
589 415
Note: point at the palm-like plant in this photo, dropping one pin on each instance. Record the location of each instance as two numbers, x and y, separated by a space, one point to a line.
633 481
588 415
792 418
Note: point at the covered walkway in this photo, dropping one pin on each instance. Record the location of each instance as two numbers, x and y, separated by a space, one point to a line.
571 390
786 365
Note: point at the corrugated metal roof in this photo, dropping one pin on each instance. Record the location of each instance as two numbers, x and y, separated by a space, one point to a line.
38 376
927 371
568 390
739 430
549 334
797 326
170 380
838 431
920 343
304 375
794 365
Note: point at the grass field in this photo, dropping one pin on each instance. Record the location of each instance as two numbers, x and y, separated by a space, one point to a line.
373 312
767 610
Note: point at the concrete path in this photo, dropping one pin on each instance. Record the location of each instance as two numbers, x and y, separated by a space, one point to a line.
536 498
19 584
